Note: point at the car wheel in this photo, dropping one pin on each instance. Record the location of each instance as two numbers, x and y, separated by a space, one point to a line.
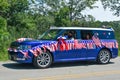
43 60
104 56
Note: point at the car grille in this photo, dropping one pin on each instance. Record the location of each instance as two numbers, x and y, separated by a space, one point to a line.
14 45
12 55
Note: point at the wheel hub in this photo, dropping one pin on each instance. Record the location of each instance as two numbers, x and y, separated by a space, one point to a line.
43 59
104 56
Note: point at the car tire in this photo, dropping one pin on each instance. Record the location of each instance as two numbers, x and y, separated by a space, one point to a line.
104 56
43 60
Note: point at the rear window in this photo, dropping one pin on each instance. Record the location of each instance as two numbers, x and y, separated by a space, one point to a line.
105 34
86 34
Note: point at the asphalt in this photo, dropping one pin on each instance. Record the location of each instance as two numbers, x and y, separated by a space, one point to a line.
82 70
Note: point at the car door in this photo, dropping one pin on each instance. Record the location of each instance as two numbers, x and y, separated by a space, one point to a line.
70 52
90 45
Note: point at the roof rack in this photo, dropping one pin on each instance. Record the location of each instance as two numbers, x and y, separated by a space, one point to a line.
82 28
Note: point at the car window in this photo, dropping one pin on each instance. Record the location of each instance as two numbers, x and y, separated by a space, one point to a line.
70 34
49 35
86 34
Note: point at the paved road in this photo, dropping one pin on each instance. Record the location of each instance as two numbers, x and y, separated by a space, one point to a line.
61 71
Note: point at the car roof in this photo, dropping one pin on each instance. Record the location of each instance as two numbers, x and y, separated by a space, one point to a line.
82 28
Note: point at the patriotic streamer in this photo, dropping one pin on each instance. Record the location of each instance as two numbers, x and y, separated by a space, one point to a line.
62 45
37 50
90 46
25 54
116 43
96 40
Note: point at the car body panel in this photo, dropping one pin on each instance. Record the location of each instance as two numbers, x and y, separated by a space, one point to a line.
64 50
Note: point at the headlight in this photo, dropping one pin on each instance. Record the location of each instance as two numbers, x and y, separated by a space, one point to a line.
24 47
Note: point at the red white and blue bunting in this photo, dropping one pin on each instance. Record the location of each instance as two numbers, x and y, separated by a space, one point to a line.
62 45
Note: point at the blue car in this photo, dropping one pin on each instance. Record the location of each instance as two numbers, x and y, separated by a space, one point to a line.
63 44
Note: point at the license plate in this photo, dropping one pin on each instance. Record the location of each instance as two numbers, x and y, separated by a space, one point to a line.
20 58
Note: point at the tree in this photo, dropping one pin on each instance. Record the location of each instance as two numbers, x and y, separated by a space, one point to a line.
43 23
62 17
113 5
16 7
77 6
64 12
4 35
3 28
3 7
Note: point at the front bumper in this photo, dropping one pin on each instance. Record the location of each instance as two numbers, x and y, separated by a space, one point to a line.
19 57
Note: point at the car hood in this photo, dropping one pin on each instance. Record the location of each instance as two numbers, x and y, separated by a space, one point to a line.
29 41
36 42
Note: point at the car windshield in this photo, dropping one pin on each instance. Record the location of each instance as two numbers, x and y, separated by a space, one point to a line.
49 35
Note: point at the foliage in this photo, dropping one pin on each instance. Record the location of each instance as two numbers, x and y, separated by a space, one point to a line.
64 12
3 6
113 5
4 36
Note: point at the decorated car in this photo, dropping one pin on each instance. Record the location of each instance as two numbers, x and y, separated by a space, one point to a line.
63 44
